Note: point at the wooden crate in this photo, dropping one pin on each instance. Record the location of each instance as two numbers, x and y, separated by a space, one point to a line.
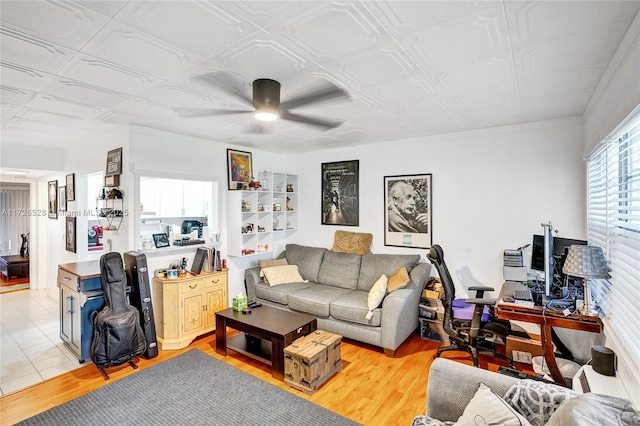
312 360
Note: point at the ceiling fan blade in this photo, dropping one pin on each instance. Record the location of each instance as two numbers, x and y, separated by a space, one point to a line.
227 83
201 112
325 124
329 92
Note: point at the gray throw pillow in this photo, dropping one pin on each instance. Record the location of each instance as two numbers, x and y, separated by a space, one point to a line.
536 400
594 409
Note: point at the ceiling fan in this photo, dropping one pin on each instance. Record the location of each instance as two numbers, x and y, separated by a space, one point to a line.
266 100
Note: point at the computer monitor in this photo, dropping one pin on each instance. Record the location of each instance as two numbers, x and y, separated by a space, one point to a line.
555 259
542 255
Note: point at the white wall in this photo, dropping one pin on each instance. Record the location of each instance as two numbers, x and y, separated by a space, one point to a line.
491 191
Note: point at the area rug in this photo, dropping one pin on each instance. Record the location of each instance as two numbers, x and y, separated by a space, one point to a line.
190 389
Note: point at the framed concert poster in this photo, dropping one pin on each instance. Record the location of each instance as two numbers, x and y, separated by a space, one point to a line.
53 199
340 192
408 211
239 168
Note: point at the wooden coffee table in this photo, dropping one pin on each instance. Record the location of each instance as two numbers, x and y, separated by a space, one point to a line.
266 332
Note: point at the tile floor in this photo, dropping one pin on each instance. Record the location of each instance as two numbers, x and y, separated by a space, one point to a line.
30 347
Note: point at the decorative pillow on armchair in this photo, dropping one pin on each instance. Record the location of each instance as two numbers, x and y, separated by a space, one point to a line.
487 408
537 400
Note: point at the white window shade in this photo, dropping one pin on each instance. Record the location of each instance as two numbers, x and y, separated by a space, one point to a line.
613 221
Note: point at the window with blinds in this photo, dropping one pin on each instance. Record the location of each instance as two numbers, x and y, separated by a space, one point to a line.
613 223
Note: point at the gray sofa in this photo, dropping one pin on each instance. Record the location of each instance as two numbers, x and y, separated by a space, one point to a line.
337 289
451 386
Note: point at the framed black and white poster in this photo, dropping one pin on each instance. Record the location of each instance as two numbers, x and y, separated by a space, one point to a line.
114 162
340 192
408 211
53 199
70 233
71 187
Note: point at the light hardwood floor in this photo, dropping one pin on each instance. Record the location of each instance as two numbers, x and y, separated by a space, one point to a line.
371 389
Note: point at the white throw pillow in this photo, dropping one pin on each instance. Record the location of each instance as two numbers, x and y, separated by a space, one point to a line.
376 294
487 408
284 274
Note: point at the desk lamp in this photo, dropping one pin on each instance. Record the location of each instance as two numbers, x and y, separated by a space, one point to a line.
586 262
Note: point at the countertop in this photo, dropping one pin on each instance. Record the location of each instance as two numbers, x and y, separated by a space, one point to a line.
84 270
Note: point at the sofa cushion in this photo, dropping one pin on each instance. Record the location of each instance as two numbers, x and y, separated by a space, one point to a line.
315 300
487 408
351 242
280 293
307 258
283 274
353 307
340 270
374 265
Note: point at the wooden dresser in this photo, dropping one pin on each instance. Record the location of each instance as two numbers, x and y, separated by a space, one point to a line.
185 308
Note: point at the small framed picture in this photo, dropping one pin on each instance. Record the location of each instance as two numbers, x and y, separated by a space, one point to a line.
114 162
408 211
71 187
62 199
161 240
70 234
112 180
53 199
239 169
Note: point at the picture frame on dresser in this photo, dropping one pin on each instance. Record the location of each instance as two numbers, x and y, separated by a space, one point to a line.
408 212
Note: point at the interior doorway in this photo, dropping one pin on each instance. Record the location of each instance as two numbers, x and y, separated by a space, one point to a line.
15 220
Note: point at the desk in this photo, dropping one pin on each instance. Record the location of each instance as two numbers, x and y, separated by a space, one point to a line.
546 319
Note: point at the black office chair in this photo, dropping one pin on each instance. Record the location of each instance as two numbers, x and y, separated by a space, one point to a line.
473 336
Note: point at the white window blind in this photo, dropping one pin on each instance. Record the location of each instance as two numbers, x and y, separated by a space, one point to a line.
613 222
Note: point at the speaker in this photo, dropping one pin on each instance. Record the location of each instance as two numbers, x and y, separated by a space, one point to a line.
603 360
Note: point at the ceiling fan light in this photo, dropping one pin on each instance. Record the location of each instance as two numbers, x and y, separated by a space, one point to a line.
266 114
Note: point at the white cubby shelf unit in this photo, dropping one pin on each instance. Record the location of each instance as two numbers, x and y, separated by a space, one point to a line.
255 216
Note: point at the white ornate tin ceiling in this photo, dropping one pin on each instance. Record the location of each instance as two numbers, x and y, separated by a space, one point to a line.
72 69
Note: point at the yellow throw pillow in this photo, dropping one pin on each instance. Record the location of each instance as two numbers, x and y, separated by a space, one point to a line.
352 242
398 280
267 263
283 274
376 295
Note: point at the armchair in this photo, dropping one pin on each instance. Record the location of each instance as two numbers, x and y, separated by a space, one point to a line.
474 336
